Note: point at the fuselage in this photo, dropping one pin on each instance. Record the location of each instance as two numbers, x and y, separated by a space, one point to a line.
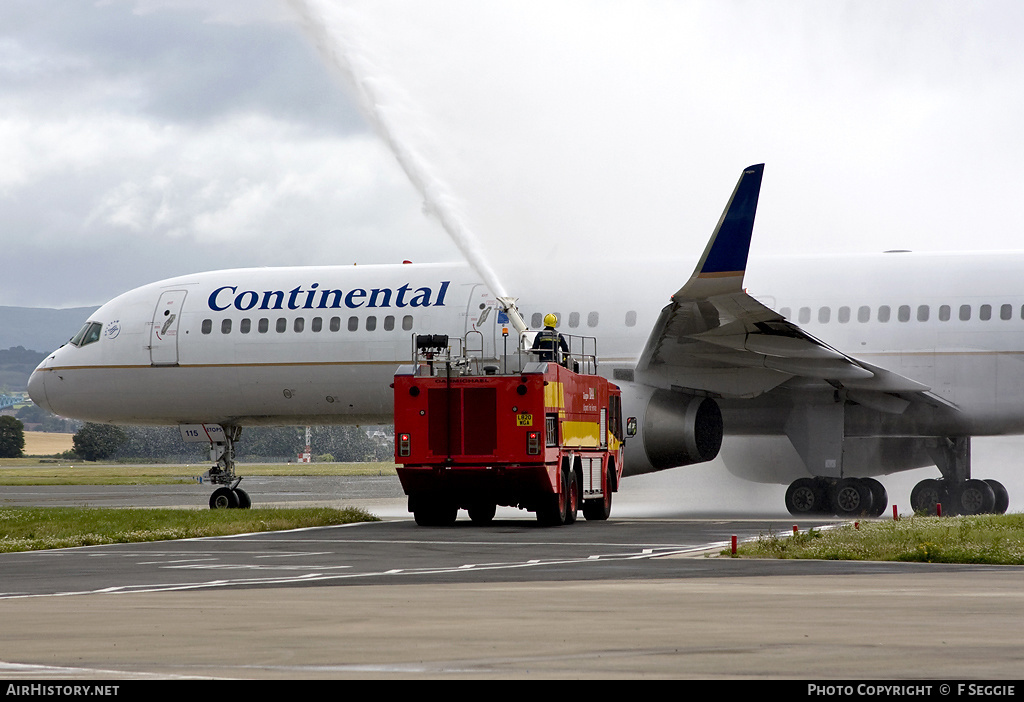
320 344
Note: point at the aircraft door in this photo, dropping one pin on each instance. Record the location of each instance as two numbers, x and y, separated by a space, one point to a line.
163 336
482 316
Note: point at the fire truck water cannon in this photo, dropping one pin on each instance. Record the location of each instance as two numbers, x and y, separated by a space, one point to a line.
517 431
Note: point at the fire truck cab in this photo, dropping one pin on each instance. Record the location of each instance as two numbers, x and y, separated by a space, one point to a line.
541 435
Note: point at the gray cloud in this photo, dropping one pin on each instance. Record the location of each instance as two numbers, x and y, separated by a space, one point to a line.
151 138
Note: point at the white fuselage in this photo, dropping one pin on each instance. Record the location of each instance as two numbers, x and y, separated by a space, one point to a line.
321 344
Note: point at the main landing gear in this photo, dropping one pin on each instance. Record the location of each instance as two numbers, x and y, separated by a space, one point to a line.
957 491
842 497
970 496
229 495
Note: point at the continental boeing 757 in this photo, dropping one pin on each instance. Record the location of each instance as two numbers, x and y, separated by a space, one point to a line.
857 366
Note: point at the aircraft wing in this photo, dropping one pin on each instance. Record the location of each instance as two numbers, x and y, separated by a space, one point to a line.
713 338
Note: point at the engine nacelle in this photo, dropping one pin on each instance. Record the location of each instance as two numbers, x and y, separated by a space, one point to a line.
672 429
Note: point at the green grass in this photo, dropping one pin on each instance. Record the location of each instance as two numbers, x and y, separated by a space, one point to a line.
36 528
85 473
989 539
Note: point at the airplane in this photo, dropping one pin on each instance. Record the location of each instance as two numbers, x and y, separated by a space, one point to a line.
830 372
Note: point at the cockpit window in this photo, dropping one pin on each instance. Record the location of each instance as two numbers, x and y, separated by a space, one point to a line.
89 333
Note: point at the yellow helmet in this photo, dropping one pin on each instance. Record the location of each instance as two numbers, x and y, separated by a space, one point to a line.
550 320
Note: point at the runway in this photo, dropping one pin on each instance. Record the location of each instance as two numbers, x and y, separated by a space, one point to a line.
637 596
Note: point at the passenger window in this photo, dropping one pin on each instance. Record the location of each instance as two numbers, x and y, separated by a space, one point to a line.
864 314
903 313
1005 311
574 319
263 326
786 312
965 312
225 326
318 324
206 329
282 325
300 324
353 323
844 315
631 319
824 314
371 323
805 315
389 323
335 324
592 319
407 322
922 313
883 313
985 313
537 320
246 326
944 313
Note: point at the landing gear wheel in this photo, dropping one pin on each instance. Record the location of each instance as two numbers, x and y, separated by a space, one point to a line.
851 498
974 497
806 497
244 502
927 494
223 498
1002 496
879 497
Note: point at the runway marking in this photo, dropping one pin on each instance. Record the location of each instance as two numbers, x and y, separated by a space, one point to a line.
58 671
251 566
307 577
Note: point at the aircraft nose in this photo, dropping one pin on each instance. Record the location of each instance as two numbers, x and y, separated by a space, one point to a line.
37 388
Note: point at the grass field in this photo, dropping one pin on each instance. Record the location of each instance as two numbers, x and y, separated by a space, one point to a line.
37 528
41 443
990 539
15 471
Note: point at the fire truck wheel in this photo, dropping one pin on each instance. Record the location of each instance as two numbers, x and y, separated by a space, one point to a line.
572 498
600 509
551 511
482 513
435 514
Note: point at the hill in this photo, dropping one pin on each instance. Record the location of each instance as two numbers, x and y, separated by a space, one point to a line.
40 328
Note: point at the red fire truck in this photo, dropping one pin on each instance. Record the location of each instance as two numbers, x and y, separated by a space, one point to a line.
540 435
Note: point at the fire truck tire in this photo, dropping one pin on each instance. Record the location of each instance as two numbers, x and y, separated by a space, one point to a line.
572 498
552 510
482 513
435 514
600 509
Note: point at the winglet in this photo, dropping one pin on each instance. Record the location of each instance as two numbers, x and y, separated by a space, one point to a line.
724 262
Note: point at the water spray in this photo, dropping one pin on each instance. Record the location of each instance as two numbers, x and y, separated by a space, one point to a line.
342 53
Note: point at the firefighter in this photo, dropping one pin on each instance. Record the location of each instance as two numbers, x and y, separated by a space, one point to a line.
549 344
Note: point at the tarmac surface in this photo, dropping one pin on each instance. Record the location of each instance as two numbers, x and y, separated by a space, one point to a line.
637 596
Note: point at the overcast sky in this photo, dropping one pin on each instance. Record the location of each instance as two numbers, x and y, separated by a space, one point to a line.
141 139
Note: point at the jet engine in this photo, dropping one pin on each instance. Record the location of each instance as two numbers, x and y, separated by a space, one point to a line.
672 428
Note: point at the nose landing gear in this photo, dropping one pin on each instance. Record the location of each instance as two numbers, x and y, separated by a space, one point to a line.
222 453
